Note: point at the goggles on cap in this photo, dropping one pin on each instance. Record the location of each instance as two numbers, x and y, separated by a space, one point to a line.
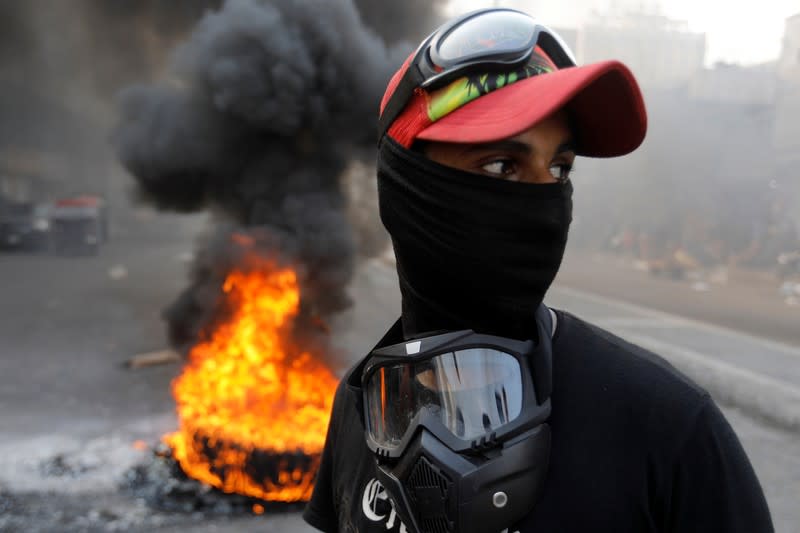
493 39
467 389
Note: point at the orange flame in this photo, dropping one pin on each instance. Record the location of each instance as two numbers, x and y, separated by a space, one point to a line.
253 407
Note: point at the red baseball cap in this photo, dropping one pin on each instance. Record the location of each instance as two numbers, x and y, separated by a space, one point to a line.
603 99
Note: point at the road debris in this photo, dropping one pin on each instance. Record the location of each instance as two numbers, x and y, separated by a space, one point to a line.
148 359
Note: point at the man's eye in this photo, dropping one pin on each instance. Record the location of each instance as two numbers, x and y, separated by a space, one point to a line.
501 168
561 171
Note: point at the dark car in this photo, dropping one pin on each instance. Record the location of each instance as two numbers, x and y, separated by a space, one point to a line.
24 226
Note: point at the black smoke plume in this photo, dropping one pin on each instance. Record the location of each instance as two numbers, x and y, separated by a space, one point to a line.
267 104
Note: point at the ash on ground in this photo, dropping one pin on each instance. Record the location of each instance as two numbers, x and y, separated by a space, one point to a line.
162 484
44 512
57 485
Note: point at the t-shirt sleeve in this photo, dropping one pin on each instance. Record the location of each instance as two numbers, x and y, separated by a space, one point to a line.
320 512
714 486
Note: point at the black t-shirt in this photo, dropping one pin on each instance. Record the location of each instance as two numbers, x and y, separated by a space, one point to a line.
636 447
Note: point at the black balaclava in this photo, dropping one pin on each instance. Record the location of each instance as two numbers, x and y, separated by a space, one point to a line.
473 252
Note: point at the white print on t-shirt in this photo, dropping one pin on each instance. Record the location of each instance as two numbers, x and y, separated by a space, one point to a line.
376 505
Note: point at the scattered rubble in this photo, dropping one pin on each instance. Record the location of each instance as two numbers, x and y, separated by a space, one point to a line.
117 272
158 357
63 466
790 291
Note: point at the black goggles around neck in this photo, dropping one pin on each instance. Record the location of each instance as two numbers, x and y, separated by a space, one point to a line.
469 390
492 39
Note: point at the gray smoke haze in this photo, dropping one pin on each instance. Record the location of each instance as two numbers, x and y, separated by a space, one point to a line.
704 188
60 65
91 48
266 105
410 20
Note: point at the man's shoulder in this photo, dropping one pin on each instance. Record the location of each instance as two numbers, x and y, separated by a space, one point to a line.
621 365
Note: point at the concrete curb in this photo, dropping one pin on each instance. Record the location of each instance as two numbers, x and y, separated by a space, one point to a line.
756 395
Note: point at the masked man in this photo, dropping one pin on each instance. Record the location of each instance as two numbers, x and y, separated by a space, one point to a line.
482 410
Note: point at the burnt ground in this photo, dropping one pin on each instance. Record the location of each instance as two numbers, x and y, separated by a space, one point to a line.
71 412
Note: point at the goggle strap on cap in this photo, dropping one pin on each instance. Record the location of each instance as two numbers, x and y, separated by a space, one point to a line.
395 106
558 51
409 81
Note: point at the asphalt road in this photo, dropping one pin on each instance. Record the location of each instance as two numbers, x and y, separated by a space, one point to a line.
749 302
68 324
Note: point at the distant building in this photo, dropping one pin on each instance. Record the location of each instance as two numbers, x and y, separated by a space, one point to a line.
787 115
735 84
789 60
661 52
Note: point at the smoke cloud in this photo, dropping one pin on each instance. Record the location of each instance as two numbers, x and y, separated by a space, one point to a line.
266 105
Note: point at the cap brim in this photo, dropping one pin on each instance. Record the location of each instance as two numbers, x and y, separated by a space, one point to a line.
604 101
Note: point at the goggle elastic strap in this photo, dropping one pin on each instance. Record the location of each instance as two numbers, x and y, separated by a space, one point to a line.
396 104
411 79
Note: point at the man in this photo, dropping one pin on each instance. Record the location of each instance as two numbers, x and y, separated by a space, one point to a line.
481 409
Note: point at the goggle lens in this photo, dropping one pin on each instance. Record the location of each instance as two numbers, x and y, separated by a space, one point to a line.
491 33
471 392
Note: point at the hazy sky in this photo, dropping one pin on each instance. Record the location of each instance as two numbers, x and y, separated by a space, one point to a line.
738 31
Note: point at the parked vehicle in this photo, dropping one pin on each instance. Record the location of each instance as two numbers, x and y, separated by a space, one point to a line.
78 225
24 226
